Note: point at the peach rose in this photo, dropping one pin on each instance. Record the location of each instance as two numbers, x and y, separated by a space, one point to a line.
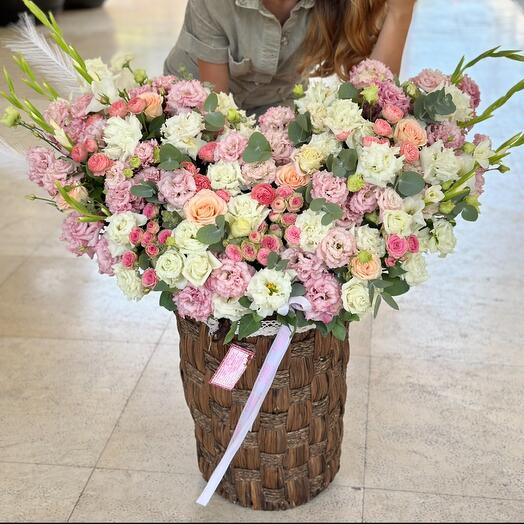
288 176
409 130
153 104
204 207
369 269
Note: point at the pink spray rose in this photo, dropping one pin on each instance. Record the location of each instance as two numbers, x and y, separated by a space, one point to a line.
81 237
263 256
195 303
136 105
271 242
207 152
264 194
323 293
129 259
233 252
149 278
397 246
392 113
164 235
337 247
152 250
99 163
176 187
118 108
410 152
79 153
150 210
295 202
413 244
332 188
470 87
382 127
292 235
135 236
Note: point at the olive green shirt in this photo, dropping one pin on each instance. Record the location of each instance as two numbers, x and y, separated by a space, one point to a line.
262 54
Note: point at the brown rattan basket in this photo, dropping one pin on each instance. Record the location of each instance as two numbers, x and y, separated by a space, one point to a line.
293 452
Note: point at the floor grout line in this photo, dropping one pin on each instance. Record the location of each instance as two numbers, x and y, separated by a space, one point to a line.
45 464
157 345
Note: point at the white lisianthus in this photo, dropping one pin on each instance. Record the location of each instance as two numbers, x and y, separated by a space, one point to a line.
309 158
129 282
433 194
269 290
169 267
414 206
343 116
398 222
244 215
318 97
443 238
185 238
354 140
326 143
462 101
117 232
439 163
369 239
60 135
120 60
467 163
312 231
97 68
198 267
415 267
184 131
225 103
379 164
424 236
483 153
228 308
121 136
104 93
355 296
225 175
125 80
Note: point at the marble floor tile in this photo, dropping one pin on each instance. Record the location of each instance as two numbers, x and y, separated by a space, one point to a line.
397 506
60 399
130 496
441 426
32 493
9 264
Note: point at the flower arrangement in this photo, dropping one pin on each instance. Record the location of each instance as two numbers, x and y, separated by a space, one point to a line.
173 189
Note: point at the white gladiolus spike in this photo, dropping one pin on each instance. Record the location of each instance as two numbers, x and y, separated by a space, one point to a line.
11 160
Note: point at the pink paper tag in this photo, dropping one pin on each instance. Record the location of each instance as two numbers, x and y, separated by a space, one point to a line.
232 367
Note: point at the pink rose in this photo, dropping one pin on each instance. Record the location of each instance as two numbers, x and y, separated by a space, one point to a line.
392 113
91 145
323 293
295 202
231 147
118 108
255 237
263 256
292 235
337 248
233 252
271 242
343 136
413 244
382 127
152 250
99 163
153 227
278 205
150 210
368 140
289 219
397 246
129 259
410 152
430 80
136 105
164 235
194 303
79 153
332 188
149 278
264 194
390 261
135 236
207 152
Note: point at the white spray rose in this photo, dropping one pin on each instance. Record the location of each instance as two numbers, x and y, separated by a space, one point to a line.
244 214
184 131
415 267
379 164
355 296
198 267
398 222
228 308
117 232
169 267
370 239
225 175
185 238
439 163
269 290
442 238
121 136
129 282
312 231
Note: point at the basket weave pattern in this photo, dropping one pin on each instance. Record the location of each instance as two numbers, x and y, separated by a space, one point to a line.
293 451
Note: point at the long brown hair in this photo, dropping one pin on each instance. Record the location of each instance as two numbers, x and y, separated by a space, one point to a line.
341 33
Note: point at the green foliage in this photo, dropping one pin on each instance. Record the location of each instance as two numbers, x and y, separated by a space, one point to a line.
212 233
258 149
427 107
166 300
470 213
248 324
231 333
398 286
214 121
171 157
331 211
153 128
300 129
144 190
211 103
410 183
348 91
344 164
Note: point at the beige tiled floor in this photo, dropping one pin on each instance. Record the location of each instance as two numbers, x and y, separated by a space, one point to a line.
93 425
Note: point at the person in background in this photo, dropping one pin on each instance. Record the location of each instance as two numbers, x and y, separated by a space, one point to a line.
259 49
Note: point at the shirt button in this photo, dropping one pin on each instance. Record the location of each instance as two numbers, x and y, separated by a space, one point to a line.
284 41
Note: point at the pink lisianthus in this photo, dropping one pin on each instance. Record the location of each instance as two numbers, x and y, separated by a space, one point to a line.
264 194
337 247
397 246
59 111
148 174
369 72
389 200
81 237
163 84
390 94
364 201
233 252
195 303
149 278
186 95
332 188
276 118
292 235
259 172
231 279
119 197
281 146
145 151
450 133
80 105
176 187
323 293
470 87
413 244
479 182
410 152
230 147
349 217
430 80
129 259
45 169
207 152
104 258
305 264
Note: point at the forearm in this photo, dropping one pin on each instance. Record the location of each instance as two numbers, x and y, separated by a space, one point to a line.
389 47
216 74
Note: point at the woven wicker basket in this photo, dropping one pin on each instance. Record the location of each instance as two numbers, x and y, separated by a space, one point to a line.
293 452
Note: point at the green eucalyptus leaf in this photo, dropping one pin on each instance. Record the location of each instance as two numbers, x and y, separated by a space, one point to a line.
390 301
211 103
470 213
231 333
209 234
317 204
339 330
214 121
272 260
245 302
410 183
348 91
377 306
258 149
166 301
327 219
143 190
298 290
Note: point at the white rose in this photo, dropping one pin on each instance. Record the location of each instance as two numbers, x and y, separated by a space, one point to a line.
309 159
312 231
243 209
169 267
198 267
433 194
343 116
185 238
117 232
442 238
462 101
228 308
184 131
379 164
129 282
415 267
483 153
326 143
225 175
270 290
369 239
355 296
439 163
398 222
121 136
